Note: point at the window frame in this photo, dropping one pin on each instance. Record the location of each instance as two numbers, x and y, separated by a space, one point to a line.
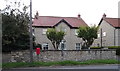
44 31
64 46
64 30
78 47
76 32
98 35
104 33
45 46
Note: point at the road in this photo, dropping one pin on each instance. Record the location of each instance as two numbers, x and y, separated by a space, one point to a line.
70 68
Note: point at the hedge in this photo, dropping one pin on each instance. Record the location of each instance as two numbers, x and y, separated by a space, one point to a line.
109 47
113 47
118 52
95 47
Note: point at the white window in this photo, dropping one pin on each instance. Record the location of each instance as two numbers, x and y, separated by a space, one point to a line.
45 46
104 33
33 31
64 30
77 46
76 32
62 46
44 31
98 35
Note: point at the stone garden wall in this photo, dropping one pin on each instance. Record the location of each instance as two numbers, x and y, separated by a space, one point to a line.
52 55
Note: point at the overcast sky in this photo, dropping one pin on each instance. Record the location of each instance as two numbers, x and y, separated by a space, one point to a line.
91 11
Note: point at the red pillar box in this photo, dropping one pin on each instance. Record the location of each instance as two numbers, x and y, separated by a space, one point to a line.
37 51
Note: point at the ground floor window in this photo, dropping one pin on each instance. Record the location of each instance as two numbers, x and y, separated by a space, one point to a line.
77 46
45 46
62 46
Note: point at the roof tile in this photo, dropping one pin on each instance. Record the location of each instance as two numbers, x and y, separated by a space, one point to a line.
52 21
115 22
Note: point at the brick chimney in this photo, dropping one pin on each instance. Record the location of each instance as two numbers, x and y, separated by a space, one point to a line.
104 16
37 15
79 16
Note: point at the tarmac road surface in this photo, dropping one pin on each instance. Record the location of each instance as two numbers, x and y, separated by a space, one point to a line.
69 68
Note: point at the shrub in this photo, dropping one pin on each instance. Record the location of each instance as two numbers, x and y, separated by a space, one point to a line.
118 51
95 47
38 46
109 47
113 47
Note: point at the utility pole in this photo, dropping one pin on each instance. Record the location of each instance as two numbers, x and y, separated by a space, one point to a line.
101 37
31 35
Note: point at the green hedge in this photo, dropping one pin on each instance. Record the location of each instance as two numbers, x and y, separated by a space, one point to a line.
109 47
95 47
113 47
118 51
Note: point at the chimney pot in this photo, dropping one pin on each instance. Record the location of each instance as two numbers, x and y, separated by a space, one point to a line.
104 15
37 15
79 16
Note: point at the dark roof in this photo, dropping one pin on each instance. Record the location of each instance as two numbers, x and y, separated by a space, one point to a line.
50 21
115 22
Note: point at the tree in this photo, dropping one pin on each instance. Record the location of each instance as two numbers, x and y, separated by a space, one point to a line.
88 34
15 28
55 37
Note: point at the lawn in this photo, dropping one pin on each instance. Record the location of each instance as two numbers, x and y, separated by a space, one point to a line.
57 63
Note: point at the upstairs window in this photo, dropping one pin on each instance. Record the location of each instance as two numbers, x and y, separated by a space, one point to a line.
98 35
44 31
76 32
64 30
33 31
104 33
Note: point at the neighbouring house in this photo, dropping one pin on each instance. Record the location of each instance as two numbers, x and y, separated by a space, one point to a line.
67 24
108 32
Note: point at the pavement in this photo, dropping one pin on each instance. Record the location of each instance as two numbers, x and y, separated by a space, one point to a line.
107 67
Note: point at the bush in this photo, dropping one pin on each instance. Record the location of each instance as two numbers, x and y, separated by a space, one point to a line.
113 47
38 46
109 47
118 51
95 47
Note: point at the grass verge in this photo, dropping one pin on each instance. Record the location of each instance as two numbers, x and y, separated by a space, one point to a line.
57 63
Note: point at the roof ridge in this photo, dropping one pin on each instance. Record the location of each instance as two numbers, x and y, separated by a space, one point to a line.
111 18
52 20
58 17
113 24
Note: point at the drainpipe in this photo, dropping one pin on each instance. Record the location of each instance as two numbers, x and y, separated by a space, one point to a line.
101 37
114 37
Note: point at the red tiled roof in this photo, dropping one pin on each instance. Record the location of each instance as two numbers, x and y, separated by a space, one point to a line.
49 21
115 22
